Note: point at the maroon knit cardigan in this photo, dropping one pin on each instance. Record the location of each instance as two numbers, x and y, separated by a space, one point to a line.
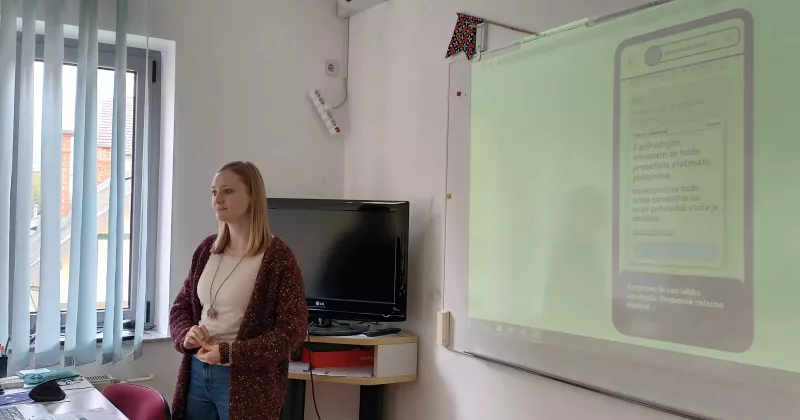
274 326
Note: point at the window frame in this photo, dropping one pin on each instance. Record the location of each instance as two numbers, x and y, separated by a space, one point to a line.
146 65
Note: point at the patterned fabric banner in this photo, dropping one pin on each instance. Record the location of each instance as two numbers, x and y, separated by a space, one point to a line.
465 36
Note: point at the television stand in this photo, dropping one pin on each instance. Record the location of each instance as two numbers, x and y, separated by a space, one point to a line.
395 362
326 328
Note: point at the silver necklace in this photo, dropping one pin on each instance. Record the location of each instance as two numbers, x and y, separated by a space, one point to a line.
211 312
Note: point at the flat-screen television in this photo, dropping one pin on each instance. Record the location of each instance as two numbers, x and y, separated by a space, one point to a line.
353 255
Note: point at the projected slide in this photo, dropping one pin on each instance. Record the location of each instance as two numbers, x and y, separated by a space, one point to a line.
636 183
622 210
683 188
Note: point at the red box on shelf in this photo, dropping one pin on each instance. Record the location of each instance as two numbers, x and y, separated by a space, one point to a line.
347 358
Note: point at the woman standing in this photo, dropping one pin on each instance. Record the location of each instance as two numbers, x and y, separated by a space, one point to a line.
241 311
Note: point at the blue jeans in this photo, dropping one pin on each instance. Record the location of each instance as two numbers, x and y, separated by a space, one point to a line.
209 391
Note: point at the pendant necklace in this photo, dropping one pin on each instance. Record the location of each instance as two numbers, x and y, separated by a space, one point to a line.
211 312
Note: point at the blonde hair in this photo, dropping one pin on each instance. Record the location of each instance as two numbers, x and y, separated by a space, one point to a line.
260 235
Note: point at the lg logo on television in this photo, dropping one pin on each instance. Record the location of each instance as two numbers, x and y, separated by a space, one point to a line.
318 303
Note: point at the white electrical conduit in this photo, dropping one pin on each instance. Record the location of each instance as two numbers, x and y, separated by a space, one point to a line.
147 378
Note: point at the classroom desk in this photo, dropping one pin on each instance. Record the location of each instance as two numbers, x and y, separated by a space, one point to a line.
78 400
83 400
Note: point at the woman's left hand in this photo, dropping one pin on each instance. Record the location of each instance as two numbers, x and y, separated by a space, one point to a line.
209 354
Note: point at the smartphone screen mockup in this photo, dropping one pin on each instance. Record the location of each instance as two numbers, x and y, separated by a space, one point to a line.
683 184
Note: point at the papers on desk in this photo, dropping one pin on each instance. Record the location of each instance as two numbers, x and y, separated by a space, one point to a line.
33 371
75 383
348 372
14 398
20 396
93 414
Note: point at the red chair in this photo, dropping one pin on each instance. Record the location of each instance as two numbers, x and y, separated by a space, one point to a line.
138 402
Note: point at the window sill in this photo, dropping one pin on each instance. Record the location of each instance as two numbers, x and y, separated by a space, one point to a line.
150 336
153 336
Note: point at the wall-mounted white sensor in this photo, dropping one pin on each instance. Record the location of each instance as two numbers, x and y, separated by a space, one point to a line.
324 111
443 328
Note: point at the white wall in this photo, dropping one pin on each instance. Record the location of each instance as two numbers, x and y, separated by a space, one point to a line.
158 359
242 72
397 150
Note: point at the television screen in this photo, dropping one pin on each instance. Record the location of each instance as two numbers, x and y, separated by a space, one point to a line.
351 254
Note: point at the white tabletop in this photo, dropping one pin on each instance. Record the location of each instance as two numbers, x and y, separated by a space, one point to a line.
79 400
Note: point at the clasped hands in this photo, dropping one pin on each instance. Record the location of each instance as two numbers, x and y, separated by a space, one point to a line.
198 338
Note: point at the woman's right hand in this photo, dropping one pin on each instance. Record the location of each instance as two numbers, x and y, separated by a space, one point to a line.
195 338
